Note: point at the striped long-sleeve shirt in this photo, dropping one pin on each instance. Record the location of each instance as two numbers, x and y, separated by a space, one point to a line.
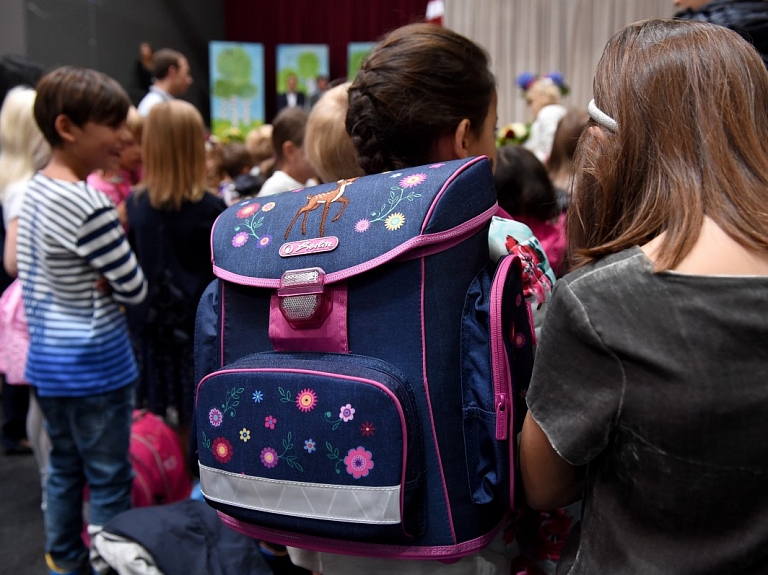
69 235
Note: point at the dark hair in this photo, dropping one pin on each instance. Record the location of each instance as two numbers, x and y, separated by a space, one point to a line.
235 157
288 126
162 60
523 186
83 96
690 102
417 85
567 134
17 71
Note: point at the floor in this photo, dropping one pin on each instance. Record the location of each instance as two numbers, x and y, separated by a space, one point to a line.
21 521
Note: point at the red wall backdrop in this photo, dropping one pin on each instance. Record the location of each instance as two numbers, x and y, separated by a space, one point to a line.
332 22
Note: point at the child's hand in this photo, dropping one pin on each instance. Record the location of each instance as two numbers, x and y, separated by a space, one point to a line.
103 285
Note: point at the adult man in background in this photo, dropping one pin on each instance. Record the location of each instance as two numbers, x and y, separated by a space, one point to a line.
172 79
747 17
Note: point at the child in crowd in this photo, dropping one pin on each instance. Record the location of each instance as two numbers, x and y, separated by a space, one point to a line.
23 151
405 109
170 223
236 161
329 148
118 185
292 169
649 394
259 144
542 94
526 192
560 165
76 268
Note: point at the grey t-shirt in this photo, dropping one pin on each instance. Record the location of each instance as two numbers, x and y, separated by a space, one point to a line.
659 382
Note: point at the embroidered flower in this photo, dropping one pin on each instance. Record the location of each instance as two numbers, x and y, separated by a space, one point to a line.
268 206
359 462
518 300
362 226
240 239
270 422
257 396
306 400
367 429
268 457
310 445
347 413
519 340
435 166
396 175
247 210
264 240
412 180
394 221
222 449
245 434
215 417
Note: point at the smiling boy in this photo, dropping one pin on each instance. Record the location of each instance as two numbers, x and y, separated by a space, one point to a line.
76 268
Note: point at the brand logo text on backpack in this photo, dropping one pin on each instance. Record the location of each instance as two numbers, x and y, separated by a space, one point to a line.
306 247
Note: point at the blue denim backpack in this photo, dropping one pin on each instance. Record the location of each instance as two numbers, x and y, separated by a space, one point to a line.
362 365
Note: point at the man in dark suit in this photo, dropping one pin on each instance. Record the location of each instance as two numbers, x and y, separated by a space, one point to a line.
292 97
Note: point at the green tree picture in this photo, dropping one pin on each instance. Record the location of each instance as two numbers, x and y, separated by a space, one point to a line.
236 77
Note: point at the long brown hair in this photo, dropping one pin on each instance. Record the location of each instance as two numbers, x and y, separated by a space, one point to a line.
691 103
173 148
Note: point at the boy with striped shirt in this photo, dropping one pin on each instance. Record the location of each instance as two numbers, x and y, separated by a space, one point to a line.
76 268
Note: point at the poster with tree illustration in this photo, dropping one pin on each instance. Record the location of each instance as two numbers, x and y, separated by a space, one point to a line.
237 88
357 52
304 61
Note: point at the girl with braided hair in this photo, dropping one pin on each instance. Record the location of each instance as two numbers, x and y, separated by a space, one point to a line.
424 95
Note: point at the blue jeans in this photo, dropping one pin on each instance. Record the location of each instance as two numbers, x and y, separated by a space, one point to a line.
90 438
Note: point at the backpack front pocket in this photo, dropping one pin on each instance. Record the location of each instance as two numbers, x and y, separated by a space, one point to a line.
317 443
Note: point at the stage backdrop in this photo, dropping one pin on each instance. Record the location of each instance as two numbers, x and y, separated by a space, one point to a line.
332 22
305 61
237 88
356 53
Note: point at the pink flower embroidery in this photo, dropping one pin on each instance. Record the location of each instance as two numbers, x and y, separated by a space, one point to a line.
270 422
519 340
362 226
268 457
268 206
240 239
222 449
412 180
215 417
306 400
359 462
247 210
347 413
367 429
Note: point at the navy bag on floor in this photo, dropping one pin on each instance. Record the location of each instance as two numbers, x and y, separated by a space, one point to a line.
362 365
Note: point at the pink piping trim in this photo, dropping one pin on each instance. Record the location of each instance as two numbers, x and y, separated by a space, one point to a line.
221 335
445 186
325 545
429 405
414 243
403 429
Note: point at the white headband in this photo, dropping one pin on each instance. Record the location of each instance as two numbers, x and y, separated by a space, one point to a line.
601 117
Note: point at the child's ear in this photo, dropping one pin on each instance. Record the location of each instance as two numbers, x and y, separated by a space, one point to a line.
454 145
289 149
65 127
461 139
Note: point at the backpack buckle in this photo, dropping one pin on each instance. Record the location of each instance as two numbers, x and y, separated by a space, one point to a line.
303 300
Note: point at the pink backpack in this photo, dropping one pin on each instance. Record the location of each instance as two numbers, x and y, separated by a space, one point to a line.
158 462
14 337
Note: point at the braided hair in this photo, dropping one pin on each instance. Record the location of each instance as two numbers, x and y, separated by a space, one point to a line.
417 85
